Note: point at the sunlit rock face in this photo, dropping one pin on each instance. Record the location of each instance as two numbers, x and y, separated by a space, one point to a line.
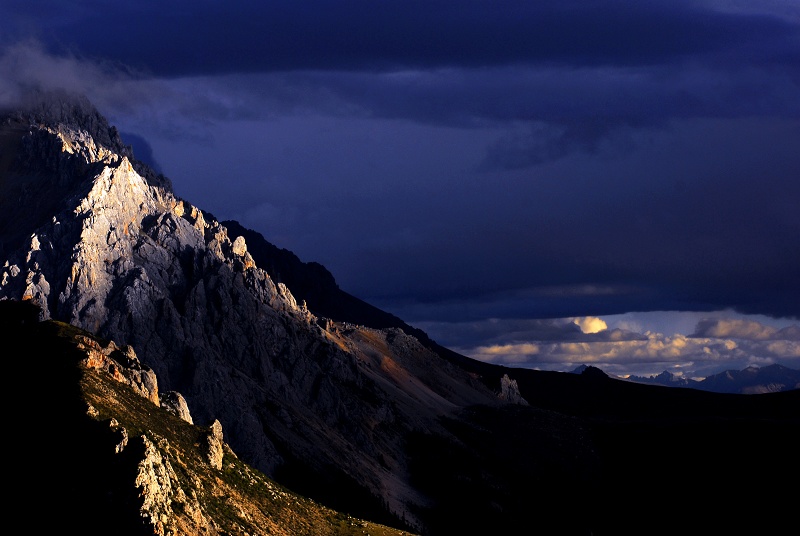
99 240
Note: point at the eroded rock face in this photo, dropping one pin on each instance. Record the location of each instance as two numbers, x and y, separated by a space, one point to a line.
109 248
121 364
126 259
161 491
214 445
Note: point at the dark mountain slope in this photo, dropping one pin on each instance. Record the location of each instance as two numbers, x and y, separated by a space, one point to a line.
95 457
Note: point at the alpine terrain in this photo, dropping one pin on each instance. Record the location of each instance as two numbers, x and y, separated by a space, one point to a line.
152 335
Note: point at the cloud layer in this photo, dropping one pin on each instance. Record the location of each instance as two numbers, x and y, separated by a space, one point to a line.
718 343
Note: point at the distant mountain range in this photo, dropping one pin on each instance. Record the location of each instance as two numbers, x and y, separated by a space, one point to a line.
750 381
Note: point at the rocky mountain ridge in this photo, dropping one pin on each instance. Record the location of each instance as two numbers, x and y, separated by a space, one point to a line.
116 253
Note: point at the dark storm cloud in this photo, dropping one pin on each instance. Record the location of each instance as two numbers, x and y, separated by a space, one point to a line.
557 111
185 38
707 220
495 331
583 68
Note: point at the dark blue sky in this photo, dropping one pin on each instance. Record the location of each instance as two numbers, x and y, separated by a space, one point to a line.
488 171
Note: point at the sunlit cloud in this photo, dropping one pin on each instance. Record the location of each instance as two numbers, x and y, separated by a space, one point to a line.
508 353
734 328
590 324
784 348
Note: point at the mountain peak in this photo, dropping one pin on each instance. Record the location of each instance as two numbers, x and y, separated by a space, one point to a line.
58 106
589 370
72 115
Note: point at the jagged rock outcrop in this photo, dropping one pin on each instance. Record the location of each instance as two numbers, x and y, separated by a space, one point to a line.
160 490
509 391
214 444
175 403
122 364
101 242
